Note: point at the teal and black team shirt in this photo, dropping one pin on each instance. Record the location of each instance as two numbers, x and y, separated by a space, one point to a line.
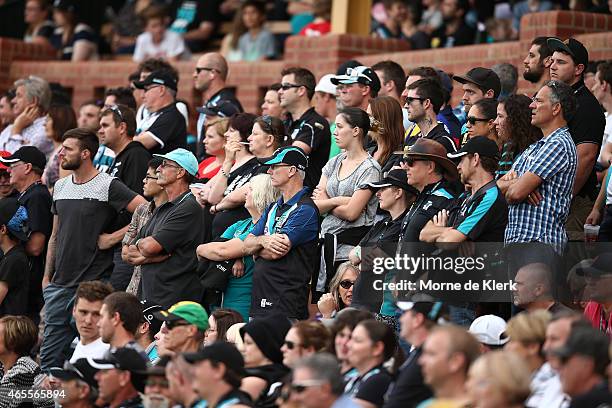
482 216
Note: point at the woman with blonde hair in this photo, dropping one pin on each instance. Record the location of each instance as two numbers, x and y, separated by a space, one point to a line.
214 144
527 333
237 294
387 131
499 379
340 291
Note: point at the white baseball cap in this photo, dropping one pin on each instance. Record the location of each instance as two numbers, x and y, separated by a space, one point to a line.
325 85
489 330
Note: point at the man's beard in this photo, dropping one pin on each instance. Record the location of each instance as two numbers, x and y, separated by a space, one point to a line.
70 165
533 76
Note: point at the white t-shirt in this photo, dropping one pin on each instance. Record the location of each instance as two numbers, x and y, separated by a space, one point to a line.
172 45
95 349
607 137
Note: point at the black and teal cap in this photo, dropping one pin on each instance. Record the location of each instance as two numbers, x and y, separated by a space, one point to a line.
291 155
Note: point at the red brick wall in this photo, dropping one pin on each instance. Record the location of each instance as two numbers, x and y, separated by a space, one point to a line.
322 55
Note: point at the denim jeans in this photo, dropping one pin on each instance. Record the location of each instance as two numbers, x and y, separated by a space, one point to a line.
122 272
59 330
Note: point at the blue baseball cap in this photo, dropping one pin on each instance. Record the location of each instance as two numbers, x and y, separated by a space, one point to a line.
15 217
291 155
183 158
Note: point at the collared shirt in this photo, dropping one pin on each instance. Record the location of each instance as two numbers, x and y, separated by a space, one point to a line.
483 215
281 285
437 133
178 226
33 135
554 160
167 127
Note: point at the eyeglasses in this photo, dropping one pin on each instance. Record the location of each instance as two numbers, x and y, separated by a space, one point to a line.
346 284
410 99
165 164
147 177
12 166
291 345
302 386
200 69
286 87
151 87
176 323
472 120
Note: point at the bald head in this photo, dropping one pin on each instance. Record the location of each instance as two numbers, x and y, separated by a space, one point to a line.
216 61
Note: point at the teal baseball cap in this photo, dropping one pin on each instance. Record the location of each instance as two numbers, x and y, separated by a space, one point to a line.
291 155
183 158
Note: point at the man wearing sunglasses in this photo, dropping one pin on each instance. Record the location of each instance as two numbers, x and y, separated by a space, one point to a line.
166 129
309 131
185 326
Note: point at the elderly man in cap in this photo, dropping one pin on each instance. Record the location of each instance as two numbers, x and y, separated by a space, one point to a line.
219 369
568 63
78 386
483 214
175 229
285 240
357 86
479 83
185 325
166 129
121 378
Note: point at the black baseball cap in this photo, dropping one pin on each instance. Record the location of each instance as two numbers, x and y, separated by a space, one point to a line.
224 109
397 178
358 75
148 315
220 352
291 155
15 217
484 78
602 265
125 359
27 154
571 46
159 77
585 341
431 310
482 145
79 370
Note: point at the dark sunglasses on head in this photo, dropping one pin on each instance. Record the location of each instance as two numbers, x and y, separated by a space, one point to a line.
473 119
346 284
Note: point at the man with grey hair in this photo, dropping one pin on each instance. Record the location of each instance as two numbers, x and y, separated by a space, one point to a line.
165 126
317 383
30 104
539 186
508 76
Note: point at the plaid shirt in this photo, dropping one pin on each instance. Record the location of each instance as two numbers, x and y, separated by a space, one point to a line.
141 216
554 160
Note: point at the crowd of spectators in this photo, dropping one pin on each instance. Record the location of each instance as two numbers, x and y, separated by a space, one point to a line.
174 29
146 267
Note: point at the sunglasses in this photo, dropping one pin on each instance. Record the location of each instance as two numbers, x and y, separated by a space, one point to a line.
176 323
472 120
200 69
302 386
411 160
410 99
286 87
291 345
346 284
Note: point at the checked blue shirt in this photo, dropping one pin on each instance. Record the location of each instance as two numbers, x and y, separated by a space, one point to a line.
554 160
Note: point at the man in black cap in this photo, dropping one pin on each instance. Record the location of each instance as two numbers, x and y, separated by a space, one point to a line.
483 213
309 131
285 240
223 109
14 268
27 165
357 86
598 290
584 359
121 377
417 321
479 83
165 126
78 384
569 61
219 369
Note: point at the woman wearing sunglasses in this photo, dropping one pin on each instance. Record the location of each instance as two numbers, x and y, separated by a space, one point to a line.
303 339
372 343
480 120
340 291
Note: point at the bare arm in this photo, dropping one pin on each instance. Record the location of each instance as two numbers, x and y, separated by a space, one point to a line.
234 199
149 247
306 148
221 251
147 140
3 291
524 185
215 194
50 261
203 32
352 210
107 241
36 244
136 201
82 51
594 217
253 386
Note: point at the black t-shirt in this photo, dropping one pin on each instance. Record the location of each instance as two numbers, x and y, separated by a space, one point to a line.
463 36
130 166
313 130
439 134
225 94
236 180
168 130
189 14
483 216
37 201
587 126
370 387
273 375
85 211
409 388
598 396
15 273
177 226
